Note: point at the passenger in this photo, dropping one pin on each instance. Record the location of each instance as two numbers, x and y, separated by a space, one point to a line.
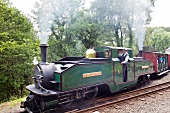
125 59
161 63
164 62
164 59
161 59
91 53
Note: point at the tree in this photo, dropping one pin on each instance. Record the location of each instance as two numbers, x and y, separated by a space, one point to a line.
86 30
106 15
17 49
160 38
148 37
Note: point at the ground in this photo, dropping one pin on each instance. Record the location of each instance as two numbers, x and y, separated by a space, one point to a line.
156 103
11 107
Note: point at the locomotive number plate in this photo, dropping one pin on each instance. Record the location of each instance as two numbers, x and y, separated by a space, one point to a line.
85 75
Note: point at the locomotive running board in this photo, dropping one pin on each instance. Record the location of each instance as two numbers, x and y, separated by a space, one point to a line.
163 72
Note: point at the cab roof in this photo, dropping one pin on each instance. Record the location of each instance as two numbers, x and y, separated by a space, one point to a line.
116 47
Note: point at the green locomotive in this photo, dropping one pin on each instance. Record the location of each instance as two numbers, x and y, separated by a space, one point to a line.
72 78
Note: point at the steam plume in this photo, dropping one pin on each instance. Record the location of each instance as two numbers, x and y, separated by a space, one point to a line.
137 12
49 10
141 15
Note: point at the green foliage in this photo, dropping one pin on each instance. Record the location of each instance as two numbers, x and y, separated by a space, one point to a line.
158 37
61 48
148 37
87 31
17 49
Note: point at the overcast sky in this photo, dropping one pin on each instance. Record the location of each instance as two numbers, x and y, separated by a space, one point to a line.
161 15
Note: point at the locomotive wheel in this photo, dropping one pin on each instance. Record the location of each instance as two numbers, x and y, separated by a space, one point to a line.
32 103
42 104
92 92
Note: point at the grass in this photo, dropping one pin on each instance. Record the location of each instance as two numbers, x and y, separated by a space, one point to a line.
11 104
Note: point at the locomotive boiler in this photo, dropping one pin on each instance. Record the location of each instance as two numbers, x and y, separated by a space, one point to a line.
59 83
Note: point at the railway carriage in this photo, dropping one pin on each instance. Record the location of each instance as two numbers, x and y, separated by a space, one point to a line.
73 78
159 60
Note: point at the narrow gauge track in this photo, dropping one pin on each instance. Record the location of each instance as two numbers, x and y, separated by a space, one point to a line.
109 101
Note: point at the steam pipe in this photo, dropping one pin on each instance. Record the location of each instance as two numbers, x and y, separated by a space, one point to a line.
43 48
140 53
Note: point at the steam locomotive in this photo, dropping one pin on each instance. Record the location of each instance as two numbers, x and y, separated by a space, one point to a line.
72 78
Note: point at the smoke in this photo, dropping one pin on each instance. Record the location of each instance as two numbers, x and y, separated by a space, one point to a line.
45 16
140 29
137 12
50 10
140 36
141 13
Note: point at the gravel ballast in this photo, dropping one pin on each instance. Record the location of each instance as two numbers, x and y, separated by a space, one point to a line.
155 103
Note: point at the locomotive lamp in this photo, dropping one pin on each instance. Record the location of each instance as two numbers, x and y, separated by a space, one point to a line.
43 48
35 61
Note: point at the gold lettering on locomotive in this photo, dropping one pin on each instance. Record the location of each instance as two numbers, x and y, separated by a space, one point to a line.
85 75
145 67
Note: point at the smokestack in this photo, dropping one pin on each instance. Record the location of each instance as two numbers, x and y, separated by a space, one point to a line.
43 48
140 53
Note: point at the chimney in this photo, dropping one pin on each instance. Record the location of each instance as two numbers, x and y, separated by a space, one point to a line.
43 48
140 53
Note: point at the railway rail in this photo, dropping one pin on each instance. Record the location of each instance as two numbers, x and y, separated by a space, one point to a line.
110 101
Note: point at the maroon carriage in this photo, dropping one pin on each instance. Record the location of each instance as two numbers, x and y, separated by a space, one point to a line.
161 61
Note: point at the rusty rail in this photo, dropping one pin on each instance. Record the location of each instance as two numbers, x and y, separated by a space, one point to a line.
127 96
